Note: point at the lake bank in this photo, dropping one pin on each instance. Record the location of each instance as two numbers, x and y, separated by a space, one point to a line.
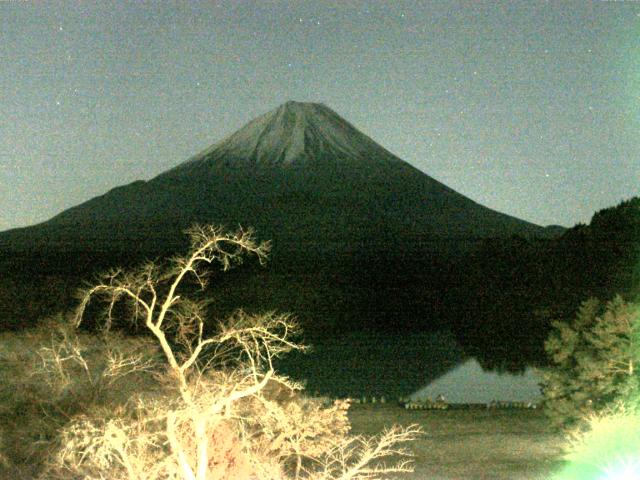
471 444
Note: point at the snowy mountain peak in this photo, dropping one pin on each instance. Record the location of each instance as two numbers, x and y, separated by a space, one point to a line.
296 133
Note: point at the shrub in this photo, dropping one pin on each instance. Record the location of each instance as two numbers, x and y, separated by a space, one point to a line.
53 373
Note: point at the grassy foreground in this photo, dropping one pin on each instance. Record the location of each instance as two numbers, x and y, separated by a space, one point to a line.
471 444
492 444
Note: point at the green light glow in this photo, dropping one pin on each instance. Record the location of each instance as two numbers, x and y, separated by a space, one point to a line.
609 451
626 469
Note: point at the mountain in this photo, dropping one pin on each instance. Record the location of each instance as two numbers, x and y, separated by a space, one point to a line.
297 173
357 232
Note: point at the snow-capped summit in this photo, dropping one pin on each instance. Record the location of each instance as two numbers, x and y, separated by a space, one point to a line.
296 133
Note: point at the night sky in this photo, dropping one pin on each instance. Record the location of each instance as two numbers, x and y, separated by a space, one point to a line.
530 108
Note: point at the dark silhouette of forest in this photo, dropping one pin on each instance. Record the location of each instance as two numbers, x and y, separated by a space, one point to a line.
520 285
494 294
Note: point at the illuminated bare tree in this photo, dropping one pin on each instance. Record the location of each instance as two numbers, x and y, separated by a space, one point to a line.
219 411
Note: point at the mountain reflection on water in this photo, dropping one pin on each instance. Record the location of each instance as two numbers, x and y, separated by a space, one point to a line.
358 364
469 383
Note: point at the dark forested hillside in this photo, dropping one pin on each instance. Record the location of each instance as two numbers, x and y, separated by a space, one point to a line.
521 284
502 292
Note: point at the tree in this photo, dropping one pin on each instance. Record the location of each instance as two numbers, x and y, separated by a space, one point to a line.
595 361
217 409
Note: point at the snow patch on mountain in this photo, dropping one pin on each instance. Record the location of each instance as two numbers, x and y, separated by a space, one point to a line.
295 133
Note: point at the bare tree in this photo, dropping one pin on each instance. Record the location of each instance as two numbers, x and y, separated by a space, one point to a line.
220 409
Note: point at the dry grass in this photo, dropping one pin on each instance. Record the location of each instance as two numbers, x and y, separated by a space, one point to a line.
471 444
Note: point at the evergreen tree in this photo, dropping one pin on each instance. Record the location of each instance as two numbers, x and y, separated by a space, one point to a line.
594 361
